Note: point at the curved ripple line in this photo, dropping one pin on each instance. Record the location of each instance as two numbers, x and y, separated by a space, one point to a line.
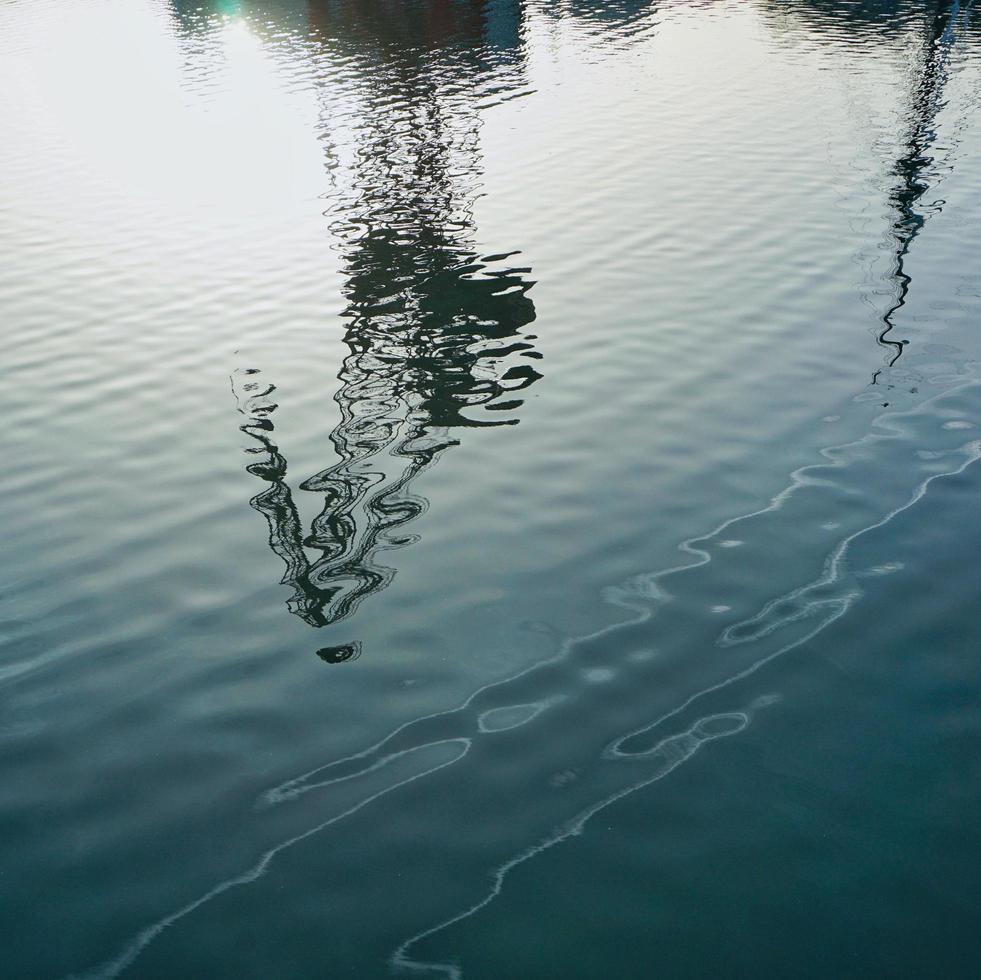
643 595
646 586
834 566
114 967
834 572
438 728
673 751
511 716
677 749
838 609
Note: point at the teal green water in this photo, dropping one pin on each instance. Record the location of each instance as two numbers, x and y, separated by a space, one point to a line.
490 490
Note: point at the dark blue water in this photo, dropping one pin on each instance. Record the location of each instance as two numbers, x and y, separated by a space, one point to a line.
490 490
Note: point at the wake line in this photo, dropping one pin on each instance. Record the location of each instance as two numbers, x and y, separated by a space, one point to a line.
677 749
673 751
114 967
839 605
643 594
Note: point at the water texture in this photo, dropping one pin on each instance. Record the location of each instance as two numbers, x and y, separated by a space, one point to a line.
491 489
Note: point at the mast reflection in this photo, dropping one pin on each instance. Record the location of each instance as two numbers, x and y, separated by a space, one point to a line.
912 169
434 330
933 26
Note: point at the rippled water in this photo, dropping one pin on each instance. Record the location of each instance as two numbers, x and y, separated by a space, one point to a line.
490 489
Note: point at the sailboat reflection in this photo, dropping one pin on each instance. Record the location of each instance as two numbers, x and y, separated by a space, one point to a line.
435 331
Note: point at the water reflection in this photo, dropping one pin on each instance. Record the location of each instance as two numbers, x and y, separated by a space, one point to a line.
434 345
434 332
861 22
916 164
435 335
932 28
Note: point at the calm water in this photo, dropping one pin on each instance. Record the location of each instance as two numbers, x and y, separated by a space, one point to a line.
491 489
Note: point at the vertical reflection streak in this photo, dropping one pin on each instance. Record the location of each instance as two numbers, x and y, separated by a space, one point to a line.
433 338
912 168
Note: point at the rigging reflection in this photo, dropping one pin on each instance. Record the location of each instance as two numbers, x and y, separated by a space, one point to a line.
933 27
435 331
912 171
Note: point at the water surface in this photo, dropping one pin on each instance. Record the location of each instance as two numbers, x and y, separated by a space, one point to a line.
490 489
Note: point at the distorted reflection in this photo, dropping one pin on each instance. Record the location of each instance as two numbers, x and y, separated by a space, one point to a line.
932 27
914 167
434 334
435 330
